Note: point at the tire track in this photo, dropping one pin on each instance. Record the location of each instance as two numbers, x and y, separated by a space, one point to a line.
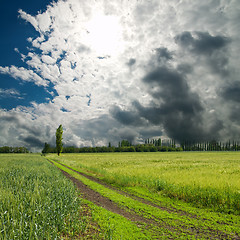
127 194
99 200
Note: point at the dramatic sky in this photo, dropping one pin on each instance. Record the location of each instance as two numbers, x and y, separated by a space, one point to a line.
119 69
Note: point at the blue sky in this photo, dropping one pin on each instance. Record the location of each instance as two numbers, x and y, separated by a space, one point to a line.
14 32
113 70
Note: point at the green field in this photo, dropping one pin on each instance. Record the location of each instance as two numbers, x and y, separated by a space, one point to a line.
210 179
177 195
37 201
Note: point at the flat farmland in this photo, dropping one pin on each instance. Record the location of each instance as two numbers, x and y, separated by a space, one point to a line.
186 195
36 200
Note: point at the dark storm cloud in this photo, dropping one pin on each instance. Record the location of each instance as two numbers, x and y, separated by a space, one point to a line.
231 96
184 69
232 93
163 54
213 48
20 124
126 117
32 141
131 62
202 42
105 129
235 117
22 132
174 106
126 134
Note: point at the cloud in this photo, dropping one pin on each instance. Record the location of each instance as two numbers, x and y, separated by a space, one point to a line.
163 54
126 117
32 141
24 75
131 62
232 93
10 93
176 75
213 48
231 97
202 43
29 18
174 106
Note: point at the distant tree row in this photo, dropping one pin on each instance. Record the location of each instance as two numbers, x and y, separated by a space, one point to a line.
210 146
151 145
7 149
123 146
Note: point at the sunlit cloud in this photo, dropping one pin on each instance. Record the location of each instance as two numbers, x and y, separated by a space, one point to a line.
129 69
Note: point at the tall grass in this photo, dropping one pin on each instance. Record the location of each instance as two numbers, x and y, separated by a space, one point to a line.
222 200
37 201
207 179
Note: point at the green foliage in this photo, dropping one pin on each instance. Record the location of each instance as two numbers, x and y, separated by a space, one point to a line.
59 145
7 149
37 201
125 143
212 145
124 148
46 148
114 226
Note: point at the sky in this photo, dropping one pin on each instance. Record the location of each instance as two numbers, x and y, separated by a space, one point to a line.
113 70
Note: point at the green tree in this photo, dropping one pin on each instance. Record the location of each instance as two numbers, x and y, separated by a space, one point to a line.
46 148
59 145
125 143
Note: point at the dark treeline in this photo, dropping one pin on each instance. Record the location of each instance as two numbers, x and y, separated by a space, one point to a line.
210 146
7 149
150 145
123 146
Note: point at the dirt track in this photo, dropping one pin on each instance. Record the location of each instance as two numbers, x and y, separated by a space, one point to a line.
99 200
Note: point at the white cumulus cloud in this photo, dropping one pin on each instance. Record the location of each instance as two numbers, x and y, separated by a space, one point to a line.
127 80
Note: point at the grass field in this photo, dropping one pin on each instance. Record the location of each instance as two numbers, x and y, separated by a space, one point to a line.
198 193
37 201
209 179
183 195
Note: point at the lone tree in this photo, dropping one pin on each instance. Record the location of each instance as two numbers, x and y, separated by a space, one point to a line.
59 145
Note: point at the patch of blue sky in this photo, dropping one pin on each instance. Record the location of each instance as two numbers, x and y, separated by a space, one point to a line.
14 30
14 34
28 92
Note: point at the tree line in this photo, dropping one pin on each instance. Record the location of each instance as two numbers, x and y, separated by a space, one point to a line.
210 146
6 149
123 146
150 145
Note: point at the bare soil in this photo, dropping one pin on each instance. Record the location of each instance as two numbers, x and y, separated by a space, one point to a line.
99 200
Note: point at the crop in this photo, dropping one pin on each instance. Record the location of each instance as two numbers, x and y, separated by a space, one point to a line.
175 219
37 201
205 179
